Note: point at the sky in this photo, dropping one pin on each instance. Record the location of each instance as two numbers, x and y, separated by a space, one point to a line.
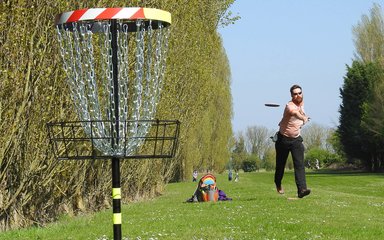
278 43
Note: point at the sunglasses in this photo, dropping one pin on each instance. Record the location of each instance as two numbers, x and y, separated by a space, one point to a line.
298 93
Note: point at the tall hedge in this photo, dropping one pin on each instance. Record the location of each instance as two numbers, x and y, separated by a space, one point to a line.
34 187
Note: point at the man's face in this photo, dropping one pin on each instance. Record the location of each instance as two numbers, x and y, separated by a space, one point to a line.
297 95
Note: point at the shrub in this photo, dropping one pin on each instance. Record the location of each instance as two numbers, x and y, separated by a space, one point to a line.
325 157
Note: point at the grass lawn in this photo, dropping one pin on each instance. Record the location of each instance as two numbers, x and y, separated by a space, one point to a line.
341 206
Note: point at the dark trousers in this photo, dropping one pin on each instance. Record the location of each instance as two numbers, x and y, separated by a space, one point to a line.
284 146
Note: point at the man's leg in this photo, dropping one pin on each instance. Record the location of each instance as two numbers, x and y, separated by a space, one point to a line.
298 163
282 152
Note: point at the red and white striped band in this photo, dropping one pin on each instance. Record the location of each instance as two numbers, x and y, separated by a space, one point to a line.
132 13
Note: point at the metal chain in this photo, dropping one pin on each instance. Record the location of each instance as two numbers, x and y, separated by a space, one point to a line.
139 68
95 108
158 55
70 43
149 81
67 52
123 79
86 66
163 45
109 73
78 79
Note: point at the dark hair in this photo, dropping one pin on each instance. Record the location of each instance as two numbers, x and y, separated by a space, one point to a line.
294 87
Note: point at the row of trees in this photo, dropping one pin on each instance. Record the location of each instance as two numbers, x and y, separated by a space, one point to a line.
35 187
361 129
254 149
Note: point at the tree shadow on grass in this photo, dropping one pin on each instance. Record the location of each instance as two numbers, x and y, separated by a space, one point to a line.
324 172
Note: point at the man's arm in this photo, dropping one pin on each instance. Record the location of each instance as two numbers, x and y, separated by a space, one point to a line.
300 116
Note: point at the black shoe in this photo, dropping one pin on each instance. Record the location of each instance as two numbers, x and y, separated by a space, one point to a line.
303 193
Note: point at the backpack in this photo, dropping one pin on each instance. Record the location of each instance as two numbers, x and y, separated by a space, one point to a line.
206 189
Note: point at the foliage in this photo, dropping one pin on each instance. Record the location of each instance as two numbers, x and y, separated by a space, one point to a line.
334 144
321 143
251 163
369 43
269 160
34 187
372 122
314 135
356 92
253 146
197 90
369 37
257 138
324 157
343 205
239 153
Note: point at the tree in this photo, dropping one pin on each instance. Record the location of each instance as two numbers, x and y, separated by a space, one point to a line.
355 93
239 154
251 163
369 42
334 143
369 37
197 90
372 123
360 128
314 135
257 139
269 160
324 157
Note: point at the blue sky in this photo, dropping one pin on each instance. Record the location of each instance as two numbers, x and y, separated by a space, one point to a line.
278 43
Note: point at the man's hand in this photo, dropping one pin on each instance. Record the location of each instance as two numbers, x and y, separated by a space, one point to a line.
306 119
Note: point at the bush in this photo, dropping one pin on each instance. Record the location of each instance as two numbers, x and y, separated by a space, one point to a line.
251 164
325 157
269 160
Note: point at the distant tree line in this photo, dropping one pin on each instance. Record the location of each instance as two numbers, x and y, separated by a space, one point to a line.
255 150
35 188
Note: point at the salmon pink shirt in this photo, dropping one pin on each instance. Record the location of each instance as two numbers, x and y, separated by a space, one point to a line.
290 125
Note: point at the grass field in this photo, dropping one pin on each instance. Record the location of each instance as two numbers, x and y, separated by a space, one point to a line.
341 206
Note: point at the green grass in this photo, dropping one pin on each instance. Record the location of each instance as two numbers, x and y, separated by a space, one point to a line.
341 206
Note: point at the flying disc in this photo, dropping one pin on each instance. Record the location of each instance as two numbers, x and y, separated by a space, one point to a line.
272 105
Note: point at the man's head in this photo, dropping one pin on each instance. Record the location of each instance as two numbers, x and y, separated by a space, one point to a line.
296 94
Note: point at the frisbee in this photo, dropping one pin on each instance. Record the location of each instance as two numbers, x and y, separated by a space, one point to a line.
272 105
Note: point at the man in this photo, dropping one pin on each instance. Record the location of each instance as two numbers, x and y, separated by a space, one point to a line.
290 141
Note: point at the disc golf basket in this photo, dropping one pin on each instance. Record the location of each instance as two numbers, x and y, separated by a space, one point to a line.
114 59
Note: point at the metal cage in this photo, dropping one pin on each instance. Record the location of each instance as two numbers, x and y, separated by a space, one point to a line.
70 142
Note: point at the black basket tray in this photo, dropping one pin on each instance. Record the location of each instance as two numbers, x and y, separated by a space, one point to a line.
70 142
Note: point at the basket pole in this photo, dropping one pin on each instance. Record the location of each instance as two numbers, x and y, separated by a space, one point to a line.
116 186
116 198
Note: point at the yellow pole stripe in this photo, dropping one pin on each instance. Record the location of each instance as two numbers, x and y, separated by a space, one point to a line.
116 193
117 218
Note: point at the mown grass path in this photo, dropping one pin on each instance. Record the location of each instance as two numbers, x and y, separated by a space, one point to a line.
341 206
